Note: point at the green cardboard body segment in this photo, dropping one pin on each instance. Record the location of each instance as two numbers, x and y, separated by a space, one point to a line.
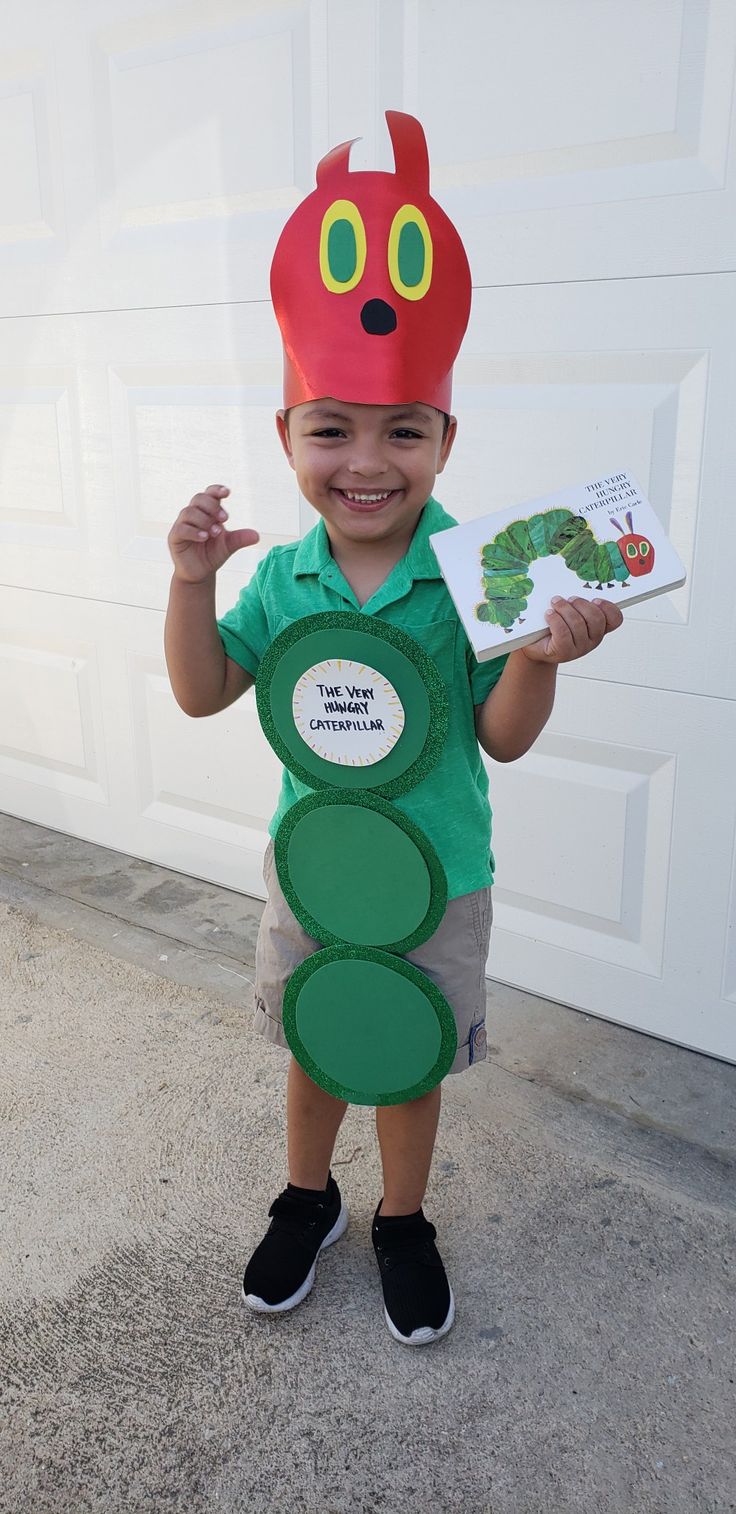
355 869
368 1027
397 656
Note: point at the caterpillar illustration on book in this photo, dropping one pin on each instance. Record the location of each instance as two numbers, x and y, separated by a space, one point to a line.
505 560
358 711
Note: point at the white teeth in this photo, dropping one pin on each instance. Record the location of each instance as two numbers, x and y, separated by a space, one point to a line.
365 499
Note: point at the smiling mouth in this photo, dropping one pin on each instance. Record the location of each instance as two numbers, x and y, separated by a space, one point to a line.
365 499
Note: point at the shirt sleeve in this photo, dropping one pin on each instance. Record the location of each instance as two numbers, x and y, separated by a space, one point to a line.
244 631
483 676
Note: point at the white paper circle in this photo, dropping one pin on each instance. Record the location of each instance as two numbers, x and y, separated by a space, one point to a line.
347 712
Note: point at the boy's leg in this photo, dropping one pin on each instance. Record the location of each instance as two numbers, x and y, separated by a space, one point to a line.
418 1302
313 1119
406 1136
281 1270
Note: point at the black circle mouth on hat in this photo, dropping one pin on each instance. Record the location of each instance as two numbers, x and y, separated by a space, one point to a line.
378 318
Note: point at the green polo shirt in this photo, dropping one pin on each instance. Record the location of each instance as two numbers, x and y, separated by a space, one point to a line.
451 803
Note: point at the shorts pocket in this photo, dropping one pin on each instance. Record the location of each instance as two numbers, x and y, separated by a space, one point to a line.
482 918
268 864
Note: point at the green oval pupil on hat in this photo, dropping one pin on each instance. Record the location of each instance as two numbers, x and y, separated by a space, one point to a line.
411 254
342 251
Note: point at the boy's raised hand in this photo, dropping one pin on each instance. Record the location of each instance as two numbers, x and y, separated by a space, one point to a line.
576 626
198 541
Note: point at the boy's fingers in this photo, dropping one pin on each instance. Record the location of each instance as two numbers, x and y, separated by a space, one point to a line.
196 516
208 504
612 613
575 633
187 533
561 642
594 618
237 539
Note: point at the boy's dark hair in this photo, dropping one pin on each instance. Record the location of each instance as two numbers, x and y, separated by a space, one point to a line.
445 420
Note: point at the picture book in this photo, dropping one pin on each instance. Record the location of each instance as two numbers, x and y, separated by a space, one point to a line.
600 540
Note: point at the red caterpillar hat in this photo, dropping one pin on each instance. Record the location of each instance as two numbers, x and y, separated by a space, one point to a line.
370 283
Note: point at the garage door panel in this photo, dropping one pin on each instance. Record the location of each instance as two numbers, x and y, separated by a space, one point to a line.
615 861
157 183
95 744
52 736
40 464
100 458
630 114
179 117
585 831
171 439
575 141
31 205
216 779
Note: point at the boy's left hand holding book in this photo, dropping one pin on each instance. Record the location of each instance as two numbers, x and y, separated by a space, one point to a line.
576 627
519 705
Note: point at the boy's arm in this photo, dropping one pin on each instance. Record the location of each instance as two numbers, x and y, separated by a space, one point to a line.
203 678
520 704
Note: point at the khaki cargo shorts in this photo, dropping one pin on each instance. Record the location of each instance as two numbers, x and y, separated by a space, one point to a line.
454 958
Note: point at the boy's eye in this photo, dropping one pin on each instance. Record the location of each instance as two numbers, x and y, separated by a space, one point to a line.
404 433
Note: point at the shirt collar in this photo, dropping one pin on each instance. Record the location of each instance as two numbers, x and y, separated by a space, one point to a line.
420 561
313 554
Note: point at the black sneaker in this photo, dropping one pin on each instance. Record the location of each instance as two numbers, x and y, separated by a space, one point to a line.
419 1306
281 1270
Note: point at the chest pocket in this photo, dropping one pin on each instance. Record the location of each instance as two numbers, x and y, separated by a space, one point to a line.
439 640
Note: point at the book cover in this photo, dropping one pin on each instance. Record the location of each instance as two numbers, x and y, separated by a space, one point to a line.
600 540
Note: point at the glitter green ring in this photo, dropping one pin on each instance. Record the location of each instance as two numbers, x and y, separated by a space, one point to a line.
398 657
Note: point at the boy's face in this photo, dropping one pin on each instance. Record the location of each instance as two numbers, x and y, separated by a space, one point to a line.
368 469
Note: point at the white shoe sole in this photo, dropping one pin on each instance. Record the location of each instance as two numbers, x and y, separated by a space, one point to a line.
260 1306
425 1334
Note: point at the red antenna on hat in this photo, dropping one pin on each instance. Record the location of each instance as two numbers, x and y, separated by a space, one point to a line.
409 143
336 161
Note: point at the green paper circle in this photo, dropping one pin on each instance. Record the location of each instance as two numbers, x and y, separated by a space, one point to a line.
368 1027
393 653
355 869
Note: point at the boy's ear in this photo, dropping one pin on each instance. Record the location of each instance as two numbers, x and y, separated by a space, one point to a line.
282 426
447 443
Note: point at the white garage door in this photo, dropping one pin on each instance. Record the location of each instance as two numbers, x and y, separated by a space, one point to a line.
153 152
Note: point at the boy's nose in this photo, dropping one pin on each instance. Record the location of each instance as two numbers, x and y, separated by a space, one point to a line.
368 464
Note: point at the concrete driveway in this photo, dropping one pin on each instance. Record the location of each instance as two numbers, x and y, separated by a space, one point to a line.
583 1192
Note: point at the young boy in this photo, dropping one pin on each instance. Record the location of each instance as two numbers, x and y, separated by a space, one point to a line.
369 470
